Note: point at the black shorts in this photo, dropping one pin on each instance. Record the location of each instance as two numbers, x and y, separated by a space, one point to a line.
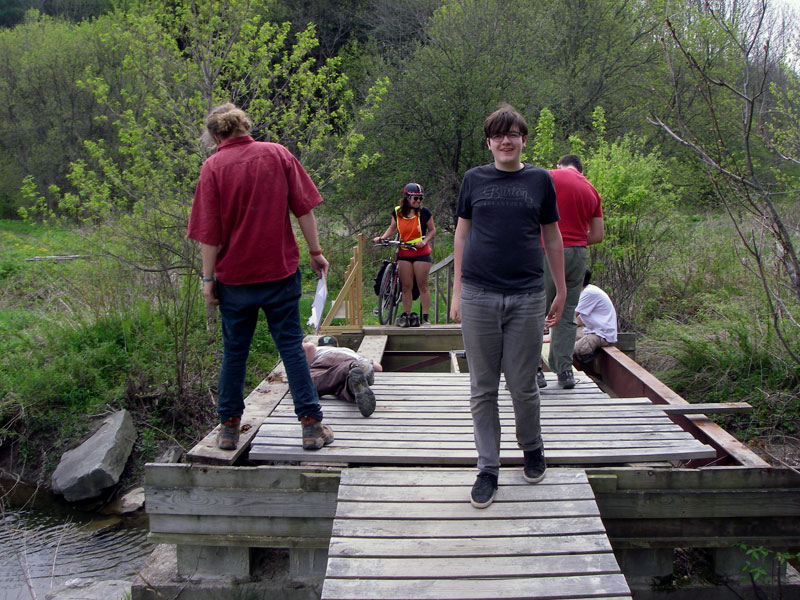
423 258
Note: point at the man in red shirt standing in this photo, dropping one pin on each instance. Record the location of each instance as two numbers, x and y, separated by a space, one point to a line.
581 225
240 216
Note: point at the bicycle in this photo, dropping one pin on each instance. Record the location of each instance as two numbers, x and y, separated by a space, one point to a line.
391 292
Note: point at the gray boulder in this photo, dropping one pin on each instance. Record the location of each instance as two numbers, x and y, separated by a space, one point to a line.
129 502
97 463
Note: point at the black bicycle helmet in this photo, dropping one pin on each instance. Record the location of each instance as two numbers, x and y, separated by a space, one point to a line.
328 340
413 189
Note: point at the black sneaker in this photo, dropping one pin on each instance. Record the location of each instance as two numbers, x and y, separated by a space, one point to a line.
566 380
358 386
535 466
402 320
483 490
540 380
413 320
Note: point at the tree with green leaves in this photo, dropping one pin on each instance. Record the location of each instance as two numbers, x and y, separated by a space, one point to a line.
639 210
46 115
734 56
472 55
189 57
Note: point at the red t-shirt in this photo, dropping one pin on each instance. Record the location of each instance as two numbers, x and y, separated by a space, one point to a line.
578 203
242 203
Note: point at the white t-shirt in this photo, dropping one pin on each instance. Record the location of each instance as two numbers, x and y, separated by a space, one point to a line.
597 313
346 351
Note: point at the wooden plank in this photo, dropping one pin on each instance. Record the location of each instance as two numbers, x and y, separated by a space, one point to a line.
465 428
543 588
471 567
289 477
357 493
239 502
393 476
394 420
237 541
258 405
355 430
707 408
459 547
703 478
512 527
667 504
373 347
465 443
349 434
462 510
261 527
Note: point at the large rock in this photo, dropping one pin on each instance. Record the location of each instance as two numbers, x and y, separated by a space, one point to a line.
96 464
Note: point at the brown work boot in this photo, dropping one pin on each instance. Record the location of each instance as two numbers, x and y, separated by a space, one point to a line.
315 434
228 436
358 385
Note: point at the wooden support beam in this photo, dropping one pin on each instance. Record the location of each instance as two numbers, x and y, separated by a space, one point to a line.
629 379
707 408
258 405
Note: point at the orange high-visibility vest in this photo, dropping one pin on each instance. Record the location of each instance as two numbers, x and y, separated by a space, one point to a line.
409 228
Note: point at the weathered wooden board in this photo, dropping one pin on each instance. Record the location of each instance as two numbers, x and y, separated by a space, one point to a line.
411 533
258 405
574 587
482 566
373 346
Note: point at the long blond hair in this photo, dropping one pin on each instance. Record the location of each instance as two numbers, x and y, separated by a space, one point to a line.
224 121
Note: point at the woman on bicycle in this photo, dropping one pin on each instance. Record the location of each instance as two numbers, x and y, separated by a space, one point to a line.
414 224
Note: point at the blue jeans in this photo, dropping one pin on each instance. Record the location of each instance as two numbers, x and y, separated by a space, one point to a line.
238 307
502 331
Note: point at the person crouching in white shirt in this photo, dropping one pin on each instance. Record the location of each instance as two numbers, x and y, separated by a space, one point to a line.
596 314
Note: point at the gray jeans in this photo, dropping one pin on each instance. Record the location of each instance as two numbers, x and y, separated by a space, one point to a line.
562 336
502 331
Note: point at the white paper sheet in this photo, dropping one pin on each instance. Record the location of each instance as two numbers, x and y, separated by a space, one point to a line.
318 307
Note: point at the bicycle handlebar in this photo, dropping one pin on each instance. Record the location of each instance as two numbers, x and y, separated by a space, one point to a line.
401 244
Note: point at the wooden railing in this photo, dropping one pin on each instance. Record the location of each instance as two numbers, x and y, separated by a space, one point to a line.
348 304
442 268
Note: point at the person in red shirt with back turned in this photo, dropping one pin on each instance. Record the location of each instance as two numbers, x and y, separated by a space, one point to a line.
240 216
581 225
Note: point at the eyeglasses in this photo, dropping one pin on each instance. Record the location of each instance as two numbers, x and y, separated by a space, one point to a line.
415 198
511 135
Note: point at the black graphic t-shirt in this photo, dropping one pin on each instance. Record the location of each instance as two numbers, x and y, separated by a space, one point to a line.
503 251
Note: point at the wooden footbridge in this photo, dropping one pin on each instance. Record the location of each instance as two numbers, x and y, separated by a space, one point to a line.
635 473
384 511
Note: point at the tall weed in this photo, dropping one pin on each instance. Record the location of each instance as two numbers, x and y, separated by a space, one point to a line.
729 353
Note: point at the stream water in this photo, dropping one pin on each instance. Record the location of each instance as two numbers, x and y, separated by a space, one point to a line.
45 543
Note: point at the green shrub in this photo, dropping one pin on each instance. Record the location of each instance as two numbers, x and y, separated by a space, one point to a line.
727 353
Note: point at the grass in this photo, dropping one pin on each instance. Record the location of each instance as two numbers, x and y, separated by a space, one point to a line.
707 334
86 337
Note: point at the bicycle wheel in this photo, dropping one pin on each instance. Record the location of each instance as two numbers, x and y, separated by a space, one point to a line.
387 299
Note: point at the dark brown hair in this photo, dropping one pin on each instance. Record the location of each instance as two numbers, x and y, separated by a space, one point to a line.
502 120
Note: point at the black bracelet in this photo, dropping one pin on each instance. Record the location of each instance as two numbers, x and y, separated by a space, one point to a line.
207 279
